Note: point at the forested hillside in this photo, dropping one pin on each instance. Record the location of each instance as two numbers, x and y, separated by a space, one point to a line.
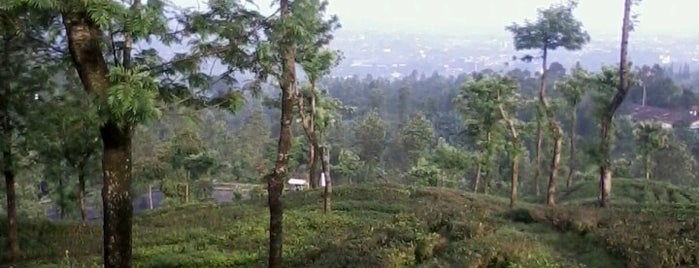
595 167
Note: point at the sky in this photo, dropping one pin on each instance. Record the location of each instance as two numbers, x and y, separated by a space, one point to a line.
600 17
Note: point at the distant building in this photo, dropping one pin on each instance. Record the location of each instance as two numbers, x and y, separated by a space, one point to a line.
666 118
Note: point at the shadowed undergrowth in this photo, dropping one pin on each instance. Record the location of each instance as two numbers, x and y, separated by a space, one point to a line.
384 225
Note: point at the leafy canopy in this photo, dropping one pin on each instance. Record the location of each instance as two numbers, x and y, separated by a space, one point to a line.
555 27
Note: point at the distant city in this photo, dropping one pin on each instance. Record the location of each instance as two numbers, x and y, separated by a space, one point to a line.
398 54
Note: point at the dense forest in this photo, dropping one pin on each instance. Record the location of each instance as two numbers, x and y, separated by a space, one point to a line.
93 119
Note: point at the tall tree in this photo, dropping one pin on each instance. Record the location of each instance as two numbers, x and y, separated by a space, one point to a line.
573 90
26 63
605 182
416 137
315 65
316 62
287 83
494 100
370 135
482 117
326 116
555 27
128 95
506 99
101 37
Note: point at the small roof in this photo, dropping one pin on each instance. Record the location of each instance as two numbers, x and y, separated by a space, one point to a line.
293 181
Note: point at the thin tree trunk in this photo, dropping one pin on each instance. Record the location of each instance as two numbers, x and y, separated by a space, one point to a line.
605 166
515 156
556 132
539 143
477 179
571 158
81 194
328 182
514 180
314 142
7 163
61 198
643 102
85 49
622 90
150 197
648 166
276 181
13 228
486 164
307 122
555 160
312 166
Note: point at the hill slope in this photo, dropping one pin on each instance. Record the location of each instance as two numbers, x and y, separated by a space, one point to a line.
386 226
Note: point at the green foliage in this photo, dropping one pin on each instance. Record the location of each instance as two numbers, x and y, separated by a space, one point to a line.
555 27
370 135
574 87
417 136
675 164
448 157
348 165
649 138
425 173
131 99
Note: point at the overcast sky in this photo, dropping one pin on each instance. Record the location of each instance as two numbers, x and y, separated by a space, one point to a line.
676 17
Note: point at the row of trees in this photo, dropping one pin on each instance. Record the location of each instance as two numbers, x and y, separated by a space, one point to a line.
348 131
127 84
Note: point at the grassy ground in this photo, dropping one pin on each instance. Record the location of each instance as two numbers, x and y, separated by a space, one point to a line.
387 226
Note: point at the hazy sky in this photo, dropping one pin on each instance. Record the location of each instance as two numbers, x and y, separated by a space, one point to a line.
677 17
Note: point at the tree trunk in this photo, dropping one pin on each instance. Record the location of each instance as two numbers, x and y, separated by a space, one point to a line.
648 166
477 179
571 158
150 197
116 197
308 124
622 90
643 102
312 166
605 165
328 182
556 132
276 181
81 194
7 161
13 228
515 156
555 160
486 164
61 198
314 141
539 143
514 180
85 49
